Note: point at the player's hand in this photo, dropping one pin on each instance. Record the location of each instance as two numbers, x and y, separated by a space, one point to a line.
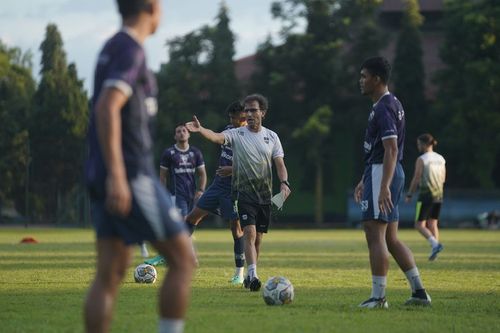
285 190
358 192
198 195
224 171
118 196
194 126
385 201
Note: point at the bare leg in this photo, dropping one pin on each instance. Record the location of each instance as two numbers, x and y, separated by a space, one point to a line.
196 215
401 253
113 259
422 228
250 235
432 226
258 242
236 229
175 291
375 237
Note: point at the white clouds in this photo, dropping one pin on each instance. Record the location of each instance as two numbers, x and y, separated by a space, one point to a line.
84 25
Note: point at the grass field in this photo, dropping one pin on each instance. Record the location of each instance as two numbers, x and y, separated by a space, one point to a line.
42 286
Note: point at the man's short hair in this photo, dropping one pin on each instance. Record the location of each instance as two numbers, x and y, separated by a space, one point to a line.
129 8
378 66
263 103
234 107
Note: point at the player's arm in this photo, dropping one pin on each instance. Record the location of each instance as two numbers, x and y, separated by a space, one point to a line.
109 132
195 127
163 175
282 172
201 172
358 190
224 171
388 167
417 175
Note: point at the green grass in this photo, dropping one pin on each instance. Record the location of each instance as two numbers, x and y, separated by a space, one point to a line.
42 286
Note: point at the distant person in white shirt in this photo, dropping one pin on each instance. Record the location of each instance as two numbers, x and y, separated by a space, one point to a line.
429 177
254 149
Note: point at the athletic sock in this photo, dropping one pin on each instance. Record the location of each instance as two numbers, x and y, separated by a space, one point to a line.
433 241
413 277
239 253
190 227
378 286
239 271
252 271
171 325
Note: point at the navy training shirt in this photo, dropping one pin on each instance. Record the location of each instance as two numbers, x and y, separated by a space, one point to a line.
386 120
182 165
122 65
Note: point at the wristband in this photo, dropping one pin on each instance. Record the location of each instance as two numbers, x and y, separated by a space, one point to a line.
286 183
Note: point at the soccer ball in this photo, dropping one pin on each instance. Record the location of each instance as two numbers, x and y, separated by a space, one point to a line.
278 291
145 273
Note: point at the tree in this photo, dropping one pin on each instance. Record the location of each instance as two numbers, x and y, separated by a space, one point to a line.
58 127
469 100
313 135
17 87
318 68
199 79
409 76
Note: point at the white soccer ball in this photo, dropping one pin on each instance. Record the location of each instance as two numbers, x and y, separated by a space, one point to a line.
145 273
278 290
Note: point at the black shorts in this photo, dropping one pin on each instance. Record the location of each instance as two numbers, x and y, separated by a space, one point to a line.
427 210
255 214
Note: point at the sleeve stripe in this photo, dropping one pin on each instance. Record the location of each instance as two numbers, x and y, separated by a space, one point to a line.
389 137
123 86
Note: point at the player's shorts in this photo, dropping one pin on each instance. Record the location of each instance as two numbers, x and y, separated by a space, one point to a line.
183 204
369 204
218 197
427 210
153 216
255 214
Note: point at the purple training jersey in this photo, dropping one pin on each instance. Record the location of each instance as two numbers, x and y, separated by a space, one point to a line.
122 65
386 120
182 165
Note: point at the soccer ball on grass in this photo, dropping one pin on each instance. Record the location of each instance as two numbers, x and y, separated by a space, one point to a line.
278 291
145 273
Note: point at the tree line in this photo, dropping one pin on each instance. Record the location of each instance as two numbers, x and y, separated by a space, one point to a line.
310 78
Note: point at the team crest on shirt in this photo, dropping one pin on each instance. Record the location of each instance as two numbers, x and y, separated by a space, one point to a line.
184 160
266 140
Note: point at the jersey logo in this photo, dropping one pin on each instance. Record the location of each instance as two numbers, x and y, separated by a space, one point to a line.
266 140
244 217
184 160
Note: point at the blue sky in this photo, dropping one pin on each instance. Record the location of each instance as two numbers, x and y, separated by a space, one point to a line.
86 24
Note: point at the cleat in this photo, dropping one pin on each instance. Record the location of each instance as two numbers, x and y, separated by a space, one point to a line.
246 282
422 300
255 284
155 261
237 280
435 251
375 303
